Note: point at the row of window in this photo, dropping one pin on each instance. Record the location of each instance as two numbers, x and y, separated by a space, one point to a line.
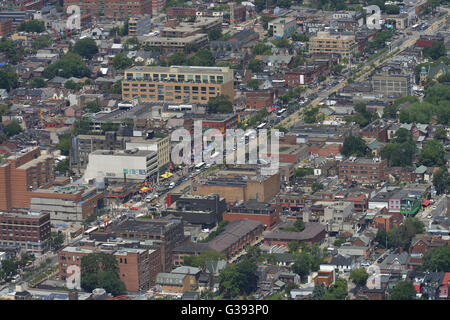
175 77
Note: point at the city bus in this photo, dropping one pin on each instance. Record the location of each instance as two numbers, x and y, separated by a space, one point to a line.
90 230
261 126
200 165
281 112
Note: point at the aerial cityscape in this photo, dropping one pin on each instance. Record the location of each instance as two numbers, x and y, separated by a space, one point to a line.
224 150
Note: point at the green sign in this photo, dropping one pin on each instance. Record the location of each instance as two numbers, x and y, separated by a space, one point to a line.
125 171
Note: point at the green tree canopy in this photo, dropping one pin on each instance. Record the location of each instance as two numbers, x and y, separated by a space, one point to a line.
441 180
92 107
70 65
255 65
42 42
253 84
8 79
37 26
337 291
220 104
86 48
238 279
401 150
100 270
437 259
359 276
436 50
38 83
354 145
200 260
432 154
12 128
440 134
403 290
121 61
262 49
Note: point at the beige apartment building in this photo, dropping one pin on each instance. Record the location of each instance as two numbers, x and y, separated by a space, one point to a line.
324 42
178 84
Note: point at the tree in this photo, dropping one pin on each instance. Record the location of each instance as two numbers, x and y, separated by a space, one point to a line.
87 48
441 180
436 50
200 260
441 134
70 65
101 270
42 42
214 34
109 126
37 26
392 9
203 57
253 84
337 291
303 37
38 83
12 128
238 279
178 59
354 145
121 61
302 266
293 246
432 154
359 276
56 240
318 292
8 79
63 166
92 107
403 290
255 65
437 259
117 87
64 144
401 150
220 104
262 49
337 69
339 241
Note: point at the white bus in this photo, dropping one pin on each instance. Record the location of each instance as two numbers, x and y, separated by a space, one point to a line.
280 113
200 165
261 126
90 230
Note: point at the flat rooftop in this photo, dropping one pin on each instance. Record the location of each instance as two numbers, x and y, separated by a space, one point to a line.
144 226
180 69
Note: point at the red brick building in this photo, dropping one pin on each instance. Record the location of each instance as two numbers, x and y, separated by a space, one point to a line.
6 27
116 9
29 231
269 216
363 170
324 149
21 173
259 99
174 12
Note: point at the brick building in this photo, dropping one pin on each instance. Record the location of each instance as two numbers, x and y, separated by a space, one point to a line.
115 9
174 12
259 99
313 233
263 212
240 186
6 27
363 170
28 231
134 268
21 173
165 233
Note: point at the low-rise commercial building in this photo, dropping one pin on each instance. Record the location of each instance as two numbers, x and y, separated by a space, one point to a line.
134 165
263 212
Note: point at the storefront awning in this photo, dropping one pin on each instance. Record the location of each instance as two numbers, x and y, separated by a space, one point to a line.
426 202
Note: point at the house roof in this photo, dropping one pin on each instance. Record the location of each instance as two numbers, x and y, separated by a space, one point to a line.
421 170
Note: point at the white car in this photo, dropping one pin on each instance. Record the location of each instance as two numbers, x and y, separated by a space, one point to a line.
433 207
429 216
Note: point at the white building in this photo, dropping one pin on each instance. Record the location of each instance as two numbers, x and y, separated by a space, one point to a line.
134 164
